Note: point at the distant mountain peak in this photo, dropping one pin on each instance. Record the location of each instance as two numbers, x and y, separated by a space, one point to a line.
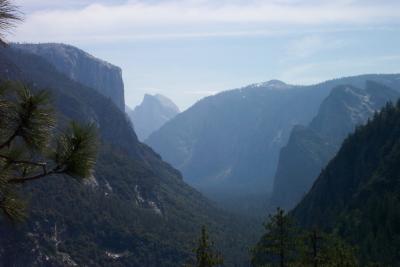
162 100
272 84
152 113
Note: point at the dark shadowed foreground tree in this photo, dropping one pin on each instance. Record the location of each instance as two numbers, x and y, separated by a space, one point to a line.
278 246
28 151
205 254
9 16
284 244
317 248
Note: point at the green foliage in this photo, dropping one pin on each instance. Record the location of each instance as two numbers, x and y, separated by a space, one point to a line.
76 153
27 124
30 117
205 256
320 249
278 246
285 244
312 249
337 253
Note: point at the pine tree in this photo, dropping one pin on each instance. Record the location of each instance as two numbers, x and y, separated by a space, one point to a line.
28 151
205 255
9 15
311 248
279 244
328 250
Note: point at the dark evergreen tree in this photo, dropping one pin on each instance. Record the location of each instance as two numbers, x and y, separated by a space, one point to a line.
311 249
205 254
321 249
27 150
284 244
279 244
9 15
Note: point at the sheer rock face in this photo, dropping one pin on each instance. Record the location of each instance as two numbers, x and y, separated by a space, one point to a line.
83 68
310 148
152 114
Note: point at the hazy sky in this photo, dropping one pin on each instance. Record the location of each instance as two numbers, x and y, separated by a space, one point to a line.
188 49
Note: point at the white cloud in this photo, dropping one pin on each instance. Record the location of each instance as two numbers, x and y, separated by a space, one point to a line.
95 21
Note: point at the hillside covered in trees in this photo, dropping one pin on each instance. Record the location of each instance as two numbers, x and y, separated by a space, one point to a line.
357 194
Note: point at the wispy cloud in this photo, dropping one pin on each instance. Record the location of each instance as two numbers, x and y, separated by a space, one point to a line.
85 21
305 46
315 72
310 45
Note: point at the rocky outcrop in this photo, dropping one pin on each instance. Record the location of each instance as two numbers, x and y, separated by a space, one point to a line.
83 68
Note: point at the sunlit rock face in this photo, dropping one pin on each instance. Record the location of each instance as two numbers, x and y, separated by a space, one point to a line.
83 68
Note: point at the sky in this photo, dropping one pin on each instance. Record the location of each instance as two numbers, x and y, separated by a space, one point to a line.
189 49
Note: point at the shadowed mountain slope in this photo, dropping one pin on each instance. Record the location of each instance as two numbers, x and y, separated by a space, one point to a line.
357 194
135 210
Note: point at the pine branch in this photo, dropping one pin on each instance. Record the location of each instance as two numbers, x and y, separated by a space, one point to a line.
21 180
9 17
27 162
33 118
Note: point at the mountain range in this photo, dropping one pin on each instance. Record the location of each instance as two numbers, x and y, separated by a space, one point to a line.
229 143
138 210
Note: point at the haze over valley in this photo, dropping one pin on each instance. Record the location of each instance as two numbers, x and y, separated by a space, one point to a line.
199 133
